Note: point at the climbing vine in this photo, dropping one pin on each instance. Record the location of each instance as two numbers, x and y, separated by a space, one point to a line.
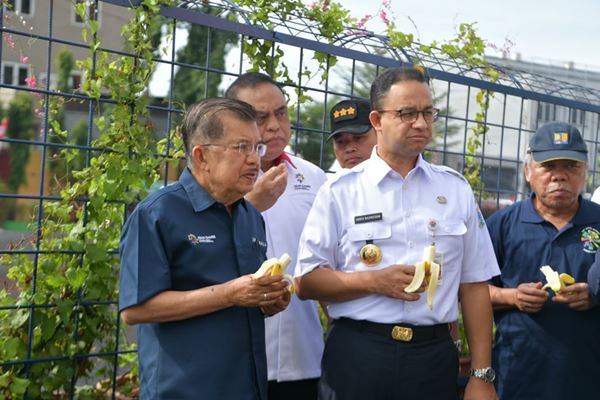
64 304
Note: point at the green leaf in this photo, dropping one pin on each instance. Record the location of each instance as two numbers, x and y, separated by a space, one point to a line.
76 277
19 385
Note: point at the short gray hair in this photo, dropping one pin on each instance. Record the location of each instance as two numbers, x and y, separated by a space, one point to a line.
202 121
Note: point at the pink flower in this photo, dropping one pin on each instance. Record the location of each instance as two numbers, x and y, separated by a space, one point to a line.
363 21
352 32
384 17
31 81
9 40
386 3
312 5
23 58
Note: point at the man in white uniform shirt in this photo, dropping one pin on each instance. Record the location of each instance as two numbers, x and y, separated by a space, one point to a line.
386 343
284 192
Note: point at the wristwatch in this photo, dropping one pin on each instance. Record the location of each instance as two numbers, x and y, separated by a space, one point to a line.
486 374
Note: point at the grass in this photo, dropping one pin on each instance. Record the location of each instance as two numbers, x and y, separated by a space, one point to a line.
15 225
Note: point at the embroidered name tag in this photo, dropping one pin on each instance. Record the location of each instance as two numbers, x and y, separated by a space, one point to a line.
201 239
259 242
361 219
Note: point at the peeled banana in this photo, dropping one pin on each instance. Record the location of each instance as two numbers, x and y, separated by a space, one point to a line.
555 281
276 266
427 270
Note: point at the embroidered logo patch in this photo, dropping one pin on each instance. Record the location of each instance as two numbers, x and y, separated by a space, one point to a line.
591 239
300 185
480 217
344 113
195 240
561 138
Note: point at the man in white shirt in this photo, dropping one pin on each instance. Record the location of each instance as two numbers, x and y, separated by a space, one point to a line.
284 193
386 343
596 196
352 134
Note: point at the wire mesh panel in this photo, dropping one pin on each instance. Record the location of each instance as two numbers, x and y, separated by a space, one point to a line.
50 135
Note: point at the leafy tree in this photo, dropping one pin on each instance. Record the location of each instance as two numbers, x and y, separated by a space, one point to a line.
192 85
21 126
310 142
65 63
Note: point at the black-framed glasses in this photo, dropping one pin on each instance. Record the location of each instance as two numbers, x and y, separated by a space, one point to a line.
245 148
410 116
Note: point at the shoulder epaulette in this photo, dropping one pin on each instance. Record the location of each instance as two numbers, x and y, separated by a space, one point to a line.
450 171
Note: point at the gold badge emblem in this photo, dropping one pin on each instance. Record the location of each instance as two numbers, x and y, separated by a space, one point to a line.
370 255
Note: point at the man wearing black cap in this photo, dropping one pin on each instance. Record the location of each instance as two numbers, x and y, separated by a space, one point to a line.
547 343
352 133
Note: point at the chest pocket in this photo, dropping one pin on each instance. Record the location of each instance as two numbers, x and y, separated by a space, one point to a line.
451 227
362 233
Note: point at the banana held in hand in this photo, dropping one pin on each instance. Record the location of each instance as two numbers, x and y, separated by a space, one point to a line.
276 267
555 281
426 270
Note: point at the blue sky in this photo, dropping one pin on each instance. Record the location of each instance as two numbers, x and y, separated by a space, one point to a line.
557 30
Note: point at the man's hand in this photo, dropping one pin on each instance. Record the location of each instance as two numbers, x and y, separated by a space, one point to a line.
280 304
266 291
268 188
529 297
576 296
392 281
477 389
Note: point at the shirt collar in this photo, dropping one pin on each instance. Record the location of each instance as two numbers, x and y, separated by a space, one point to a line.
199 197
585 212
529 212
377 168
284 157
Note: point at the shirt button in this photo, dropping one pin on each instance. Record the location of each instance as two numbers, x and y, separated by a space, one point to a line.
406 214
411 244
369 235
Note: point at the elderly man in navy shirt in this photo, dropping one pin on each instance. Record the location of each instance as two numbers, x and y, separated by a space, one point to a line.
187 253
547 344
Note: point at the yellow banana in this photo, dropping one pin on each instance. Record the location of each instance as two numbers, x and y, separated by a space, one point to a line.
276 266
555 281
427 270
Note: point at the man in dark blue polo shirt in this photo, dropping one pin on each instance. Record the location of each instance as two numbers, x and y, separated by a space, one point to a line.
547 344
594 279
187 253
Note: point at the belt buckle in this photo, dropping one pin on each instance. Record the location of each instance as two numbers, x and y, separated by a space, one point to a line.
402 333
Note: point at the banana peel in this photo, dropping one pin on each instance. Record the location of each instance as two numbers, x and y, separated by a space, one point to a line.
426 270
556 281
276 266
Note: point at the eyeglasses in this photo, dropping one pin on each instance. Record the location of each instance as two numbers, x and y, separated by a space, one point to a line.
245 148
411 116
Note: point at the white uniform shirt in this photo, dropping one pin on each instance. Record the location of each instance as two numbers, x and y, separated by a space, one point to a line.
294 337
596 196
429 196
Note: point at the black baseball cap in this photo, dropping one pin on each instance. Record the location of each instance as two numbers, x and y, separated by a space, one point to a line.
350 116
557 141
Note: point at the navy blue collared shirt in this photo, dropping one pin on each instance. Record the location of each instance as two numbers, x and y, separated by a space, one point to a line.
180 238
554 353
594 279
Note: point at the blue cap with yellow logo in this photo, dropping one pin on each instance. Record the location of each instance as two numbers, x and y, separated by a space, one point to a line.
557 141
